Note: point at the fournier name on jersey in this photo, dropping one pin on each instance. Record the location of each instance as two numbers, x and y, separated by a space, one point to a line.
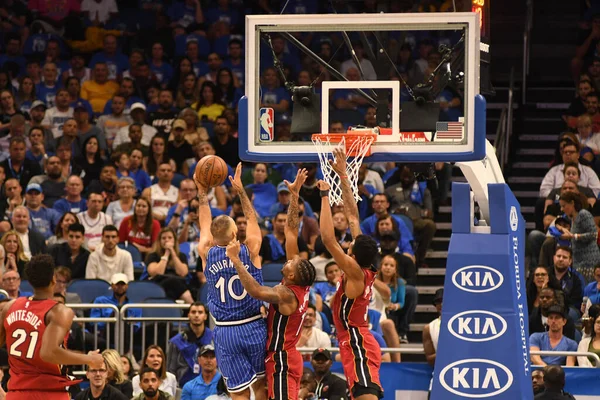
219 265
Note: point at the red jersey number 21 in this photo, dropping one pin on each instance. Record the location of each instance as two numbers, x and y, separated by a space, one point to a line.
20 336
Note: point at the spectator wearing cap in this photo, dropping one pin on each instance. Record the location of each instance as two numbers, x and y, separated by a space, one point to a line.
44 219
554 384
119 283
329 386
138 116
108 259
206 383
553 340
111 123
283 201
178 149
100 89
72 254
56 116
33 241
37 113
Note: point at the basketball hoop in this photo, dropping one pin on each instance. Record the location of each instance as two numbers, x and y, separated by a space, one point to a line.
357 146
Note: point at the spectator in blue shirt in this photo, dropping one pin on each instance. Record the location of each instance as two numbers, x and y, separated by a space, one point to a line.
73 201
592 288
283 201
326 290
185 13
115 61
235 62
184 347
46 90
553 340
45 220
119 284
206 383
265 193
381 204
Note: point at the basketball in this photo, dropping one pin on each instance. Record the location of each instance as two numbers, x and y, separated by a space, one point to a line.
211 171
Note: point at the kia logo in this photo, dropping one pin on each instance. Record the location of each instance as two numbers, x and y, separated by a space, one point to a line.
477 279
514 218
476 378
477 326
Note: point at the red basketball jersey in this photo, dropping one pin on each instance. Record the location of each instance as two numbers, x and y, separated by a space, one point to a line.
352 312
25 325
283 331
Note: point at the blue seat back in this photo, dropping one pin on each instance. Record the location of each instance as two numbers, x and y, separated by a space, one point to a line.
89 289
25 286
139 291
272 272
136 255
160 312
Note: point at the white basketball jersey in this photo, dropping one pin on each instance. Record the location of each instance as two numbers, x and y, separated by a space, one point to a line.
161 201
93 227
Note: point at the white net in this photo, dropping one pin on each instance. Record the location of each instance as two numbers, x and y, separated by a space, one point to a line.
356 147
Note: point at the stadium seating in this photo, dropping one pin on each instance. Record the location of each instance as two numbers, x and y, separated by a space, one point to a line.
139 291
89 289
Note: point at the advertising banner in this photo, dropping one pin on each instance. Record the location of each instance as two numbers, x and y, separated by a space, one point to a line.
483 348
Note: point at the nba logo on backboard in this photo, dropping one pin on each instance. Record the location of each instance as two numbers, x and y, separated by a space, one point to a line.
267 119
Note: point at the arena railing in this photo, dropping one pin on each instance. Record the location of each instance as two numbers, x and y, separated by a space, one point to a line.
95 321
161 324
420 350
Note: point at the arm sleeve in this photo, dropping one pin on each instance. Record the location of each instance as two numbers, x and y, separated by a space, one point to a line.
401 293
593 181
534 340
128 267
90 268
124 230
547 183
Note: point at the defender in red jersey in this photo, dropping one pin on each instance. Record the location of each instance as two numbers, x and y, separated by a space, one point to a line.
35 331
360 352
288 300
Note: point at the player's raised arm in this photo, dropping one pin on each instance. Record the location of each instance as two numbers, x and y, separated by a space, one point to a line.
350 207
293 220
253 233
60 319
205 220
345 262
275 295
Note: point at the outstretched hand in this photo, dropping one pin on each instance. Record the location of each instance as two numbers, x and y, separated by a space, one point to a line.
339 164
233 250
294 187
322 185
236 180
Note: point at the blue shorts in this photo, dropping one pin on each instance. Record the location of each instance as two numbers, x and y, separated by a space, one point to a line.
241 351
